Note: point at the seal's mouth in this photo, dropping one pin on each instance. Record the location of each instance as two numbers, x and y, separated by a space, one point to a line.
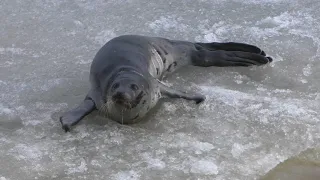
125 104
125 100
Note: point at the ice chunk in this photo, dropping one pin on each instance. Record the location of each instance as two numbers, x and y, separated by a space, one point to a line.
9 118
81 168
153 162
204 167
127 175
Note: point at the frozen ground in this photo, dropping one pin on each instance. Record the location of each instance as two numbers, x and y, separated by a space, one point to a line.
253 118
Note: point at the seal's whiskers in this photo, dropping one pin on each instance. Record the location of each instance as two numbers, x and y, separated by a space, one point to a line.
108 103
122 116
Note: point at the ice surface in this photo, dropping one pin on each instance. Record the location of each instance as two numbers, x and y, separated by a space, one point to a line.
8 118
253 118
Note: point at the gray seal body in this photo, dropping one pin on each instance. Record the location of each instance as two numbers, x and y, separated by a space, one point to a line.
126 74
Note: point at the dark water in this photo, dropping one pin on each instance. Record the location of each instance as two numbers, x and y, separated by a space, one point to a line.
304 166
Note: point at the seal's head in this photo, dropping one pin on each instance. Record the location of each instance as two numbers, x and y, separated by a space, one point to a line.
127 91
128 96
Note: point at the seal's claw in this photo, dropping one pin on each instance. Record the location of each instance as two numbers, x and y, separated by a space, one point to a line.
65 126
200 98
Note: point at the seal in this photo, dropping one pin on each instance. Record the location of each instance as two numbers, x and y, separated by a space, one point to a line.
126 74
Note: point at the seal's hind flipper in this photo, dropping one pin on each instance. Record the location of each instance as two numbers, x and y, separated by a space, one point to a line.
230 46
206 58
75 115
174 93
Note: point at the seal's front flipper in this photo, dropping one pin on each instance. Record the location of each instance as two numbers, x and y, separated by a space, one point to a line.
173 93
75 115
206 58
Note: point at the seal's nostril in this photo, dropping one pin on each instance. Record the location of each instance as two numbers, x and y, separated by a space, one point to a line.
121 96
118 95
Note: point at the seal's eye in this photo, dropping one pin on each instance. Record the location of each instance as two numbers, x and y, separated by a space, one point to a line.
115 86
134 87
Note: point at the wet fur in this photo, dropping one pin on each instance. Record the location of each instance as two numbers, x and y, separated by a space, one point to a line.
150 59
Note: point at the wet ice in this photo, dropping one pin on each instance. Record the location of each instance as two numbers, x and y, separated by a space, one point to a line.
253 118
